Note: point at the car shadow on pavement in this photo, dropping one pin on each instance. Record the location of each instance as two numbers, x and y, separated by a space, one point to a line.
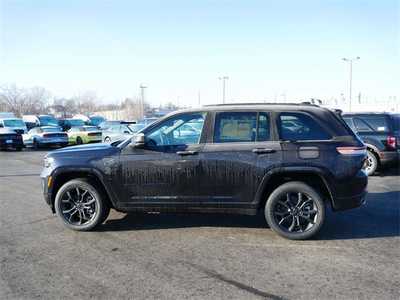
379 217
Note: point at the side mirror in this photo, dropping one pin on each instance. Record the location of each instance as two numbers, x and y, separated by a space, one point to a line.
137 140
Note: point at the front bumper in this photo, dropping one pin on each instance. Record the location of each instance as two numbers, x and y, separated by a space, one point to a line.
47 181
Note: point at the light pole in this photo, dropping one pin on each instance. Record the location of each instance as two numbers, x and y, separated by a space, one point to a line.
141 106
223 78
350 61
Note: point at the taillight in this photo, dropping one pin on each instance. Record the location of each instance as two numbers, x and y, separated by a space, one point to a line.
352 150
391 142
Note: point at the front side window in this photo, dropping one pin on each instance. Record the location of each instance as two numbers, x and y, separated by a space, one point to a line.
299 126
184 129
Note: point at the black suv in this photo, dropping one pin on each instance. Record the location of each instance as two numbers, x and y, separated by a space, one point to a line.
380 132
289 161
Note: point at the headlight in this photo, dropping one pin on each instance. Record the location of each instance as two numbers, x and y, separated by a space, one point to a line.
48 161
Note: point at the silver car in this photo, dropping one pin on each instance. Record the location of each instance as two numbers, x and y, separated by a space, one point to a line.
45 136
120 132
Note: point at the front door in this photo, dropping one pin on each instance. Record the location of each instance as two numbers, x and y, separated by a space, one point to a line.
166 169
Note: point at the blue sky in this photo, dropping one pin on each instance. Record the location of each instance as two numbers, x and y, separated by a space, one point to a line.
269 49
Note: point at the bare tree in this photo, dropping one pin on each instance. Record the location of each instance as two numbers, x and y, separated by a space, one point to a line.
86 102
23 100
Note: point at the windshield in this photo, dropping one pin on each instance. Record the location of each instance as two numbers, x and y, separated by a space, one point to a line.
136 127
14 123
48 121
52 129
96 120
76 122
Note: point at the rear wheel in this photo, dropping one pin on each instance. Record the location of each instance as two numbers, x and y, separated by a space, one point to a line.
371 164
295 211
79 140
80 206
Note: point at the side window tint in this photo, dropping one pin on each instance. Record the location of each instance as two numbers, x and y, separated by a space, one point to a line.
183 129
377 123
349 122
263 133
361 125
235 127
299 126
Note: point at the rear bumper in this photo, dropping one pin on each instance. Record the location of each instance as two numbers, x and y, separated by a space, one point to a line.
351 192
14 144
388 157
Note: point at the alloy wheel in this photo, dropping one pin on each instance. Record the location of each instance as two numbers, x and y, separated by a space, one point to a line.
78 206
295 212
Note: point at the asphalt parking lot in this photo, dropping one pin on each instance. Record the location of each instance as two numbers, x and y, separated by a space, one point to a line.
176 256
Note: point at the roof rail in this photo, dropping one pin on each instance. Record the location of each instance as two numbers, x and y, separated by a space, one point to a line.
260 103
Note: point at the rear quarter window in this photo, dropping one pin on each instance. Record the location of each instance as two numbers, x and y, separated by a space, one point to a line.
372 123
300 126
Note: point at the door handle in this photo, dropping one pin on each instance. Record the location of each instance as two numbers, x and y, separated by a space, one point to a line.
263 150
188 152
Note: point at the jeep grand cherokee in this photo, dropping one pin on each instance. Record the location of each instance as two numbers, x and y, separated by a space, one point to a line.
288 161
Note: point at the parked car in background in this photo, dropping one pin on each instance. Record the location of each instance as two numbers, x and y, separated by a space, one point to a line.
96 120
15 124
381 134
67 124
147 121
104 125
119 132
32 121
9 139
4 115
84 135
241 159
45 136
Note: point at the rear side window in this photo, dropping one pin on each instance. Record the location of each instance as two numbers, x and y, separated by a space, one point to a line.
299 126
241 127
396 122
371 123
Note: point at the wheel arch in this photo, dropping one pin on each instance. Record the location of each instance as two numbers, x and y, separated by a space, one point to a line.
61 176
315 177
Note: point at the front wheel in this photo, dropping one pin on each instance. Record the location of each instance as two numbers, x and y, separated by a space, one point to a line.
295 211
79 140
80 206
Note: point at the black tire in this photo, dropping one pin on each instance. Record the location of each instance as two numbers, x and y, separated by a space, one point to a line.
282 211
79 141
18 148
82 215
371 164
107 140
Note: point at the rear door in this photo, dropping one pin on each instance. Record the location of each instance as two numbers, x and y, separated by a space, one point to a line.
239 151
